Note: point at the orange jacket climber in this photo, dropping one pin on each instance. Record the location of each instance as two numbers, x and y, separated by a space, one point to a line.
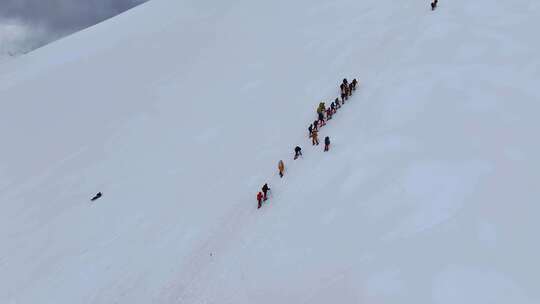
315 137
281 168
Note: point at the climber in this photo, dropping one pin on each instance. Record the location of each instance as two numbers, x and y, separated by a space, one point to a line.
259 199
265 190
97 196
314 138
326 143
298 151
354 83
321 119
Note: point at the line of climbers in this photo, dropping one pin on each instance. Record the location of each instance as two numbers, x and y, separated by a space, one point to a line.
324 114
346 92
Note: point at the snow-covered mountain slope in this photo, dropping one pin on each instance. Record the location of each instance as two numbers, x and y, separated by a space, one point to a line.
178 111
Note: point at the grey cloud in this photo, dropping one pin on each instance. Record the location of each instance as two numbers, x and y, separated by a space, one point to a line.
63 15
47 20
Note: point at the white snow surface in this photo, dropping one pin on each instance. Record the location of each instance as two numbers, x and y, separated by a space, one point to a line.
179 110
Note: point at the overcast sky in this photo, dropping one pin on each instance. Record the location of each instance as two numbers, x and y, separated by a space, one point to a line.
27 24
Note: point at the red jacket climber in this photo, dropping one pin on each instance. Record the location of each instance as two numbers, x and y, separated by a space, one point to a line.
259 199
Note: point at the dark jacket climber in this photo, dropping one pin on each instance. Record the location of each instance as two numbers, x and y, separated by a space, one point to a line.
354 83
98 195
297 152
321 118
326 143
265 190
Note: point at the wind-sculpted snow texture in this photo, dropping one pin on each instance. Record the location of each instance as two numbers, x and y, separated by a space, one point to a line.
178 111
